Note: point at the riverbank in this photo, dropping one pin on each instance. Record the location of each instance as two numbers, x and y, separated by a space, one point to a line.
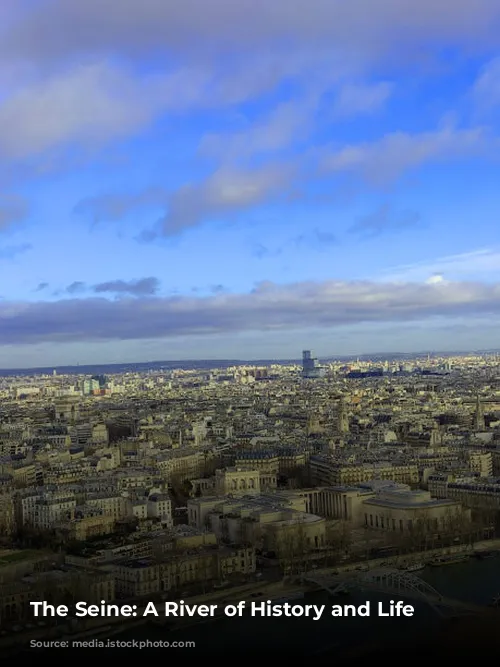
473 581
416 557
248 592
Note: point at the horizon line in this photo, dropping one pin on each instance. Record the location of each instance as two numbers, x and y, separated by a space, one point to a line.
344 357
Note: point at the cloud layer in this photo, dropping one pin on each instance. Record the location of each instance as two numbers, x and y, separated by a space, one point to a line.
224 107
481 263
228 190
386 159
13 209
141 287
134 27
384 220
267 307
103 61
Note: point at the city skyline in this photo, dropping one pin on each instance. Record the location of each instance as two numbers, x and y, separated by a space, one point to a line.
198 363
242 186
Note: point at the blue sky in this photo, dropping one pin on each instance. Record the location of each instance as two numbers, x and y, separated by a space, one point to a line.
244 184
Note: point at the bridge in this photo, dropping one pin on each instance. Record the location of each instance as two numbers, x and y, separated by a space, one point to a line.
388 580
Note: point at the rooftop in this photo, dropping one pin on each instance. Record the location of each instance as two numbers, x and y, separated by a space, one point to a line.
408 500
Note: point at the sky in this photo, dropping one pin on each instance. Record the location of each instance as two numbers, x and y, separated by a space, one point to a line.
243 180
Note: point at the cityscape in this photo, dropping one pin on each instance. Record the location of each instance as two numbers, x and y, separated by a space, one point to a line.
279 483
249 330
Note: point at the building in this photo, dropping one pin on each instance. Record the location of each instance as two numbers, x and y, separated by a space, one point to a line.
237 481
310 366
403 510
329 472
264 520
43 510
85 527
159 506
7 515
381 505
337 502
481 493
148 577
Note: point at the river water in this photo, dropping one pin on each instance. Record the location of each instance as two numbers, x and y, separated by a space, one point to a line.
475 581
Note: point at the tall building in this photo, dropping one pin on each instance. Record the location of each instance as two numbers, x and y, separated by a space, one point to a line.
479 423
310 366
342 417
89 385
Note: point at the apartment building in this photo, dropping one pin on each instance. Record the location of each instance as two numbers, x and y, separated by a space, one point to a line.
328 472
43 509
147 577
474 492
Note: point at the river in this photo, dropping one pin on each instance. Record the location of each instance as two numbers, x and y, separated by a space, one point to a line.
475 581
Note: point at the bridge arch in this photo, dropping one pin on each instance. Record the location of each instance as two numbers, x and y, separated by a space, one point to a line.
385 580
398 580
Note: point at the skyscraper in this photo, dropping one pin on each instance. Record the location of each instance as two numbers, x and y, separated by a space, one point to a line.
310 366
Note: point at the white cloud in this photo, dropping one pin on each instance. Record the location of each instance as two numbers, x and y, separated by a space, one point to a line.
99 102
387 158
226 190
232 53
115 206
292 122
288 123
13 209
384 220
355 99
435 280
486 90
477 264
92 103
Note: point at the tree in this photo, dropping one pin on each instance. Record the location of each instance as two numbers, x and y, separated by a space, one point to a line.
420 532
29 537
285 550
252 533
344 536
487 517
210 464
459 527
339 536
338 541
292 548
180 490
